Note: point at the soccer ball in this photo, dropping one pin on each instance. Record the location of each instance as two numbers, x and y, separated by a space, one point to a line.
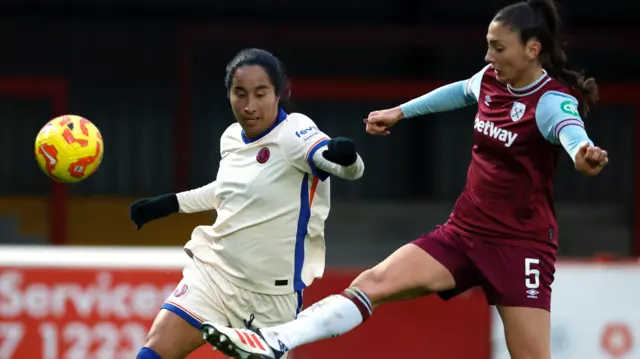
69 148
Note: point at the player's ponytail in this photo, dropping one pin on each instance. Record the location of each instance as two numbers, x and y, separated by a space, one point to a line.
285 92
555 59
540 19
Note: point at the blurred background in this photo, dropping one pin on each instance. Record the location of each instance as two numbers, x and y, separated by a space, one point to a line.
150 75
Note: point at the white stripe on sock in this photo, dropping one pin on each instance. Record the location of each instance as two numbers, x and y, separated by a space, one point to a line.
358 294
364 296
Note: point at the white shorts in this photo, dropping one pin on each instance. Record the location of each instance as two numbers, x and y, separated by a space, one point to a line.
204 295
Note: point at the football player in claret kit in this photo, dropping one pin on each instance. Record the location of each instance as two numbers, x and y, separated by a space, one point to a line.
271 195
502 234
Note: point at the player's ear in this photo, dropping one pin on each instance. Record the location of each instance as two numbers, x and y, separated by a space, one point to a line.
532 49
278 103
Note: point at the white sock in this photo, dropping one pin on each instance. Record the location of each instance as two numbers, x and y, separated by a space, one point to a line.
330 317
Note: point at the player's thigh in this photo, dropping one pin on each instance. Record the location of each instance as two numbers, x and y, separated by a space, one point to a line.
514 276
518 281
172 337
176 330
435 262
527 332
267 310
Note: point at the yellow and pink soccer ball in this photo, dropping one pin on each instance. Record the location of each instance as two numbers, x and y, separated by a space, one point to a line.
69 148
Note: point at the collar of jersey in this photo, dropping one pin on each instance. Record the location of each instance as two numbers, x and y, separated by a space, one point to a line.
530 88
282 115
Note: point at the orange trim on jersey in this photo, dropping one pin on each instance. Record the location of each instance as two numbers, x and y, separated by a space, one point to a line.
312 146
312 193
186 311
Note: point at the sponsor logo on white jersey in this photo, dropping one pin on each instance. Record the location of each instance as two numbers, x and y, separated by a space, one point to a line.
489 129
307 133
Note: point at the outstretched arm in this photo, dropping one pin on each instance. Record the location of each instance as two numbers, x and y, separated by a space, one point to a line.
148 209
445 98
197 200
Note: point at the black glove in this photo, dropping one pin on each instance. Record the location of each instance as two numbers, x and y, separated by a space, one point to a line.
147 209
341 150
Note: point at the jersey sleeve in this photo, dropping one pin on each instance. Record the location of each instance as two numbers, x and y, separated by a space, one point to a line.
198 200
300 140
472 85
228 140
350 173
559 121
444 98
203 198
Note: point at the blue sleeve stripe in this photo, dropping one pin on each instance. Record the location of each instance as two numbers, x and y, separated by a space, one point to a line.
182 314
564 123
321 175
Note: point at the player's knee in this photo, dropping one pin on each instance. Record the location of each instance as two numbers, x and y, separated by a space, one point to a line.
524 354
373 283
158 346
148 353
170 337
153 340
154 348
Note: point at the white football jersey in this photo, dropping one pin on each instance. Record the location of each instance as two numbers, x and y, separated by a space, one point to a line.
272 204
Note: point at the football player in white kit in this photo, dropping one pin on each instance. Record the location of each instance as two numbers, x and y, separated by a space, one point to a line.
271 195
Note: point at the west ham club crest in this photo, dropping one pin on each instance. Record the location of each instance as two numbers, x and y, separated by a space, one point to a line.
517 111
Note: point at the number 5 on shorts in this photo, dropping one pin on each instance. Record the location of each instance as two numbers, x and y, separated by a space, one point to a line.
532 276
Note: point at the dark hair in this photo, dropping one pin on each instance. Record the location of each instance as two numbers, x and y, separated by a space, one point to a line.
271 65
539 19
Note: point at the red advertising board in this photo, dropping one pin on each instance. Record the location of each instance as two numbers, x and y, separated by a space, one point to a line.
422 328
100 305
56 313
